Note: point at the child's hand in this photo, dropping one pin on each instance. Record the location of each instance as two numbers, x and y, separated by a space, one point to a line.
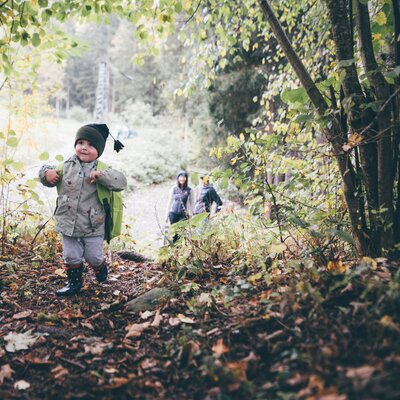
52 176
94 175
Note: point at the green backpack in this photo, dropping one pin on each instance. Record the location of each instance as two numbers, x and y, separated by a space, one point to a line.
112 203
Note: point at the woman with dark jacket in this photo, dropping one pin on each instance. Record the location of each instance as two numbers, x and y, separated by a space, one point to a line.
207 196
180 203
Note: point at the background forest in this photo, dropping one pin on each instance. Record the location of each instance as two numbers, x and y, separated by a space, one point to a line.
293 290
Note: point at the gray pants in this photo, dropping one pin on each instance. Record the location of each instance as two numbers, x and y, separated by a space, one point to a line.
75 249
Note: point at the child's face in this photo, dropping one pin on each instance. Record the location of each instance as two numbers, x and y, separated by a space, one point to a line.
85 151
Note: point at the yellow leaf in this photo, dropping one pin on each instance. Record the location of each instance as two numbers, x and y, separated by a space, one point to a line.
370 261
337 266
381 18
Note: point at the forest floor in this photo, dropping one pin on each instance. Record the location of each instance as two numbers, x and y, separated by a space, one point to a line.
260 341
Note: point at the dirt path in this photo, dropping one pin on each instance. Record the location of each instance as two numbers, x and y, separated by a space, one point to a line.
143 208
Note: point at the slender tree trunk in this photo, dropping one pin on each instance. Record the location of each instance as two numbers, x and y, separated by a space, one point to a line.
396 119
384 134
334 134
359 116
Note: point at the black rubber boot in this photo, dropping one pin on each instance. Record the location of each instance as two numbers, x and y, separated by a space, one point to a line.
101 272
74 285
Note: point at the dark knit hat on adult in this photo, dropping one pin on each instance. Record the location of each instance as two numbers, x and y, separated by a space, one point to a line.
97 135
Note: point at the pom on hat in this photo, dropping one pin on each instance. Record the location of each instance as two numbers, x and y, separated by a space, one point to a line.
118 146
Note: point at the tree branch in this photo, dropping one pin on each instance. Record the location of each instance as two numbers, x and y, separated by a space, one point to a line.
194 13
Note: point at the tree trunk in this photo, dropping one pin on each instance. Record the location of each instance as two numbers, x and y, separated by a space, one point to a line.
334 133
359 115
384 135
396 119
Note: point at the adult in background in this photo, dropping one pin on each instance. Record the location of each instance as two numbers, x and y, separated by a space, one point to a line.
206 197
180 203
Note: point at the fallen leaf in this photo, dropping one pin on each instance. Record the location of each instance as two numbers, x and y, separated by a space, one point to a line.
19 341
5 372
215 331
337 266
370 262
239 370
110 370
36 359
157 319
174 321
117 383
22 314
148 363
96 348
185 319
135 330
147 314
71 314
59 372
363 374
388 322
22 385
219 348
87 325
60 272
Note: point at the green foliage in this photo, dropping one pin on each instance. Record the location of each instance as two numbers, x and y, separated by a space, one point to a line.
16 194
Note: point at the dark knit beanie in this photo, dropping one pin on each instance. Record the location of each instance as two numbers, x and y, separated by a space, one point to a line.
96 134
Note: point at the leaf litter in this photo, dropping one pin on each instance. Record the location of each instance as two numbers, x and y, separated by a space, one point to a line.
322 334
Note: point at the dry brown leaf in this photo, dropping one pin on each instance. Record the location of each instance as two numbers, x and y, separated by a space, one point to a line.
219 348
363 373
23 314
239 370
117 382
174 321
60 272
37 360
157 319
135 330
148 363
87 325
95 348
110 370
147 314
185 319
5 372
59 372
71 314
